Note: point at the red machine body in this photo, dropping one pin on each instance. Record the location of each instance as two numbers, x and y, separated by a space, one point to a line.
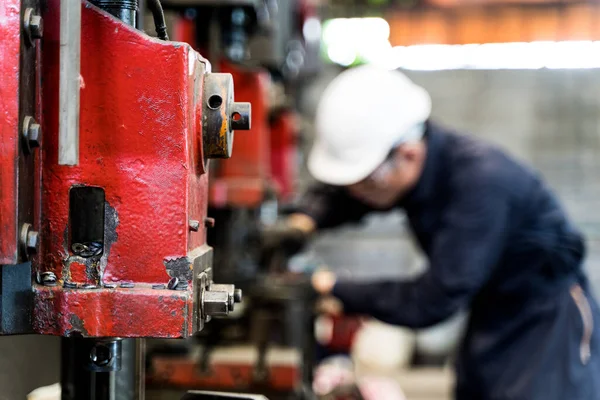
141 142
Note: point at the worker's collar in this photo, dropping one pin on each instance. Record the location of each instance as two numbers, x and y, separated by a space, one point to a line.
432 170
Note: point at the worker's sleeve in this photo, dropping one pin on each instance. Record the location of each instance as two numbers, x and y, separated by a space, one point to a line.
465 249
330 206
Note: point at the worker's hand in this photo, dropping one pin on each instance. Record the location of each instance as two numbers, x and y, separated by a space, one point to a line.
330 305
323 281
285 238
289 234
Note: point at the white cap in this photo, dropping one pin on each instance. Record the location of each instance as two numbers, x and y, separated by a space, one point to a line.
362 115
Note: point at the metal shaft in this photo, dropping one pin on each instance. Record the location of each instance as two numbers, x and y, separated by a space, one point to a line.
88 368
125 10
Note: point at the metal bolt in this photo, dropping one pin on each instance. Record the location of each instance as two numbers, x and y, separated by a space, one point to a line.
216 303
173 282
48 278
32 133
32 241
36 26
89 286
126 285
209 222
33 25
159 286
29 239
110 285
70 285
194 225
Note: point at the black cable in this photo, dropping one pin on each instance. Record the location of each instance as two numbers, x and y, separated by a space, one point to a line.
159 18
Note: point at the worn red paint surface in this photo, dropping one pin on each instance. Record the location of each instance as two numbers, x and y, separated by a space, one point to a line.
140 140
241 181
10 24
137 312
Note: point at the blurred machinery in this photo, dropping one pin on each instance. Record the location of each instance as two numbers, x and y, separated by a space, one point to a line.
105 140
268 346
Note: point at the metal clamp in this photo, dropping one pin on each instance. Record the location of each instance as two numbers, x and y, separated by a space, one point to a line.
221 115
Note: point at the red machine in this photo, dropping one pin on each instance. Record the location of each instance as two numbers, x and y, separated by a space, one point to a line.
104 181
240 354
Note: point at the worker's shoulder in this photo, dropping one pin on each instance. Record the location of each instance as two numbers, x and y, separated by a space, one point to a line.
477 162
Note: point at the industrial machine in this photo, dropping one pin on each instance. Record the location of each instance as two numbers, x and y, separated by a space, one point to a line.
106 136
268 345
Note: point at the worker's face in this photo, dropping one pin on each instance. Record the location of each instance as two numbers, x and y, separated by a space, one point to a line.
393 178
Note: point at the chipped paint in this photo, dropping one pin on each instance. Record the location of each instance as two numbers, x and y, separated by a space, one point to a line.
180 268
143 140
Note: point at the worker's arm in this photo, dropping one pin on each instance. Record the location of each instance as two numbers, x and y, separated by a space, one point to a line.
468 245
322 206
330 206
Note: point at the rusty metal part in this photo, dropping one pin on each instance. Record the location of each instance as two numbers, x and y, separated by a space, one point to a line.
244 180
221 115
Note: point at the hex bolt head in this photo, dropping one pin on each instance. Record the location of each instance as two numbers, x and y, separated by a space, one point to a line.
36 26
33 25
32 241
194 225
34 134
29 239
215 303
31 132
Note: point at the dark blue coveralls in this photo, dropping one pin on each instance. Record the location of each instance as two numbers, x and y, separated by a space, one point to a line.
499 244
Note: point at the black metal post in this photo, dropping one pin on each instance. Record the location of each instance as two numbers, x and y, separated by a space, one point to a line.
125 10
88 368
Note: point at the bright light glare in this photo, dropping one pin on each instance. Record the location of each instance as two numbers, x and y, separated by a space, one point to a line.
533 55
348 40
312 29
365 38
342 55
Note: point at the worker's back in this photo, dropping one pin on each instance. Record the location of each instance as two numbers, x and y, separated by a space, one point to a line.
531 333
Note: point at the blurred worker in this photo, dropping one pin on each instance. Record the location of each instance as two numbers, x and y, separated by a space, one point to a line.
496 238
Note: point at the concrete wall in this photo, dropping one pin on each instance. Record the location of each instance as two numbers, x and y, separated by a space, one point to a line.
549 118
